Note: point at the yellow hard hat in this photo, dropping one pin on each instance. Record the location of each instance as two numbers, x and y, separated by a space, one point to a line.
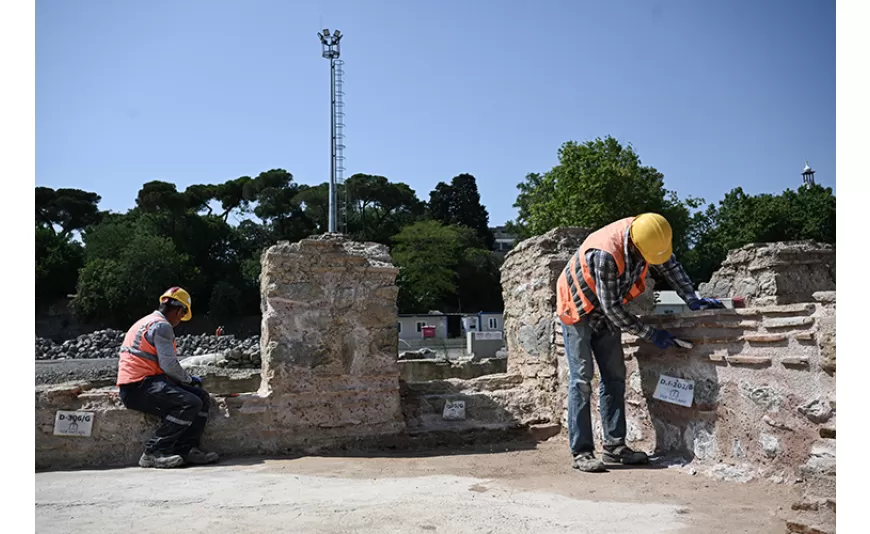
182 296
651 234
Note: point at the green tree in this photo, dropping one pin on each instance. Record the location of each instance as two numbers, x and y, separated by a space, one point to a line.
459 203
740 219
119 290
59 214
378 208
594 184
279 205
66 210
445 268
314 203
479 282
111 236
162 198
58 260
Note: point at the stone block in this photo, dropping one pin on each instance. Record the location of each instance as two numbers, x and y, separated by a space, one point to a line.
769 445
749 360
764 338
764 396
827 297
796 361
816 411
329 334
798 527
787 322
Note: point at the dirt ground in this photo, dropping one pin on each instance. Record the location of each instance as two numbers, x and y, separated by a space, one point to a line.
498 489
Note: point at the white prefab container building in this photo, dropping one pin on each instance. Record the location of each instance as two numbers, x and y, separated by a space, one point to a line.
411 326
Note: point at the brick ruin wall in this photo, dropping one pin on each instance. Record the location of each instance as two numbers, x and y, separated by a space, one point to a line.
329 371
775 273
765 390
764 407
765 393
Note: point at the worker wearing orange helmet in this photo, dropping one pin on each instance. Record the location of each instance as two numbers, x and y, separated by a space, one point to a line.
151 380
606 272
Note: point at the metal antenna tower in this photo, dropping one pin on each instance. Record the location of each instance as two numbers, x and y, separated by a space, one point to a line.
331 50
338 131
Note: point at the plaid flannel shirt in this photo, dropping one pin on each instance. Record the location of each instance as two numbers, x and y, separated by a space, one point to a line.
611 289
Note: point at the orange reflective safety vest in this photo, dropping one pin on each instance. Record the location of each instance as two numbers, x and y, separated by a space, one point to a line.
575 290
138 358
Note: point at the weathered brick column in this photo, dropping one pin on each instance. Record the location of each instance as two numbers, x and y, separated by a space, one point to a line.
528 281
329 338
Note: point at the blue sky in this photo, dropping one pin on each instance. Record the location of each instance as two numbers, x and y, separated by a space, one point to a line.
714 94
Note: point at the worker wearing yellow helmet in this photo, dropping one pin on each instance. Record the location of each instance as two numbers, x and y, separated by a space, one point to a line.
151 380
606 272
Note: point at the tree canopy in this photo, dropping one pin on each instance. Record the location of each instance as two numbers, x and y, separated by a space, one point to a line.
458 203
601 181
209 237
445 268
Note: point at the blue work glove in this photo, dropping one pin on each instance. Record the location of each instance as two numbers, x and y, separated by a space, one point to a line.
195 381
662 339
705 304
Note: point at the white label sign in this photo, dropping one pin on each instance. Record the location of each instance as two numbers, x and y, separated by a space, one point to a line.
454 410
73 423
675 390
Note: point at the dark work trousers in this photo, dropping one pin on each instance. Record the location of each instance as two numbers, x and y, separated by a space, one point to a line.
183 408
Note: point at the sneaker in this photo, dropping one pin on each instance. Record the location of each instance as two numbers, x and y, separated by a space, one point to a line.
587 462
624 455
199 457
160 460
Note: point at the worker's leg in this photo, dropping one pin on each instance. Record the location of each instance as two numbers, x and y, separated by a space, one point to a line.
191 437
578 352
157 395
607 346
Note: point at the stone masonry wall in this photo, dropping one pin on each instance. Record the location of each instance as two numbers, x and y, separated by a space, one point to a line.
763 398
528 278
775 273
329 376
765 392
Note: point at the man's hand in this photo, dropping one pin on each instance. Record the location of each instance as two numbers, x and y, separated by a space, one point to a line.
705 304
662 339
195 381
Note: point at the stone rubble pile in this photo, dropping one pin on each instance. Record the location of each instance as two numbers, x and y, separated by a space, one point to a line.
105 344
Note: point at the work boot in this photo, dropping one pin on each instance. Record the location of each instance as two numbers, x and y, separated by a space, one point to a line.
160 460
197 456
624 455
587 462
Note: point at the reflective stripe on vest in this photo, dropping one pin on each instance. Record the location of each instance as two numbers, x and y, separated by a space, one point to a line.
575 294
138 358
